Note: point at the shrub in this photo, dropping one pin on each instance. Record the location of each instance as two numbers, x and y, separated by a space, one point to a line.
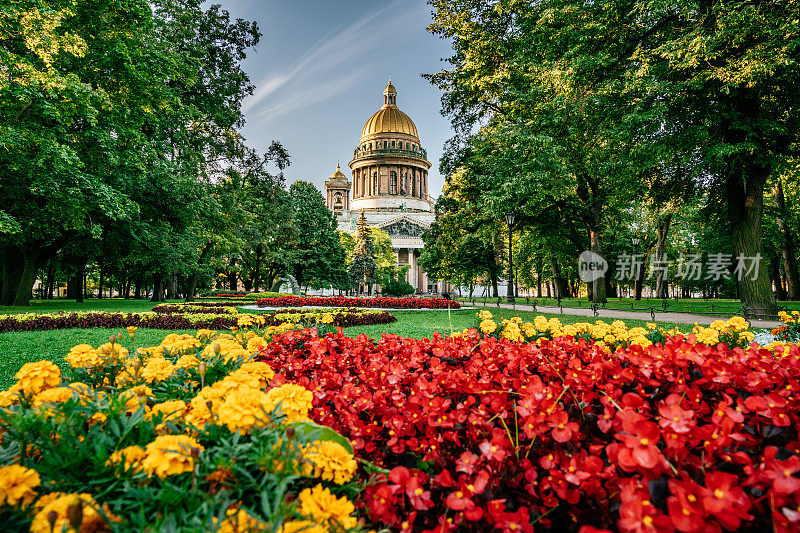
166 320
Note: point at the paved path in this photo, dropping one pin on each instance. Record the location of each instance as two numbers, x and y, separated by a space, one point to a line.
613 314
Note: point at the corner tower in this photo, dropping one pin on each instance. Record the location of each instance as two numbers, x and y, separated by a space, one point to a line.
389 166
337 192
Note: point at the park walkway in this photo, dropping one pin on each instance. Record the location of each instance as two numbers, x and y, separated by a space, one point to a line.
613 314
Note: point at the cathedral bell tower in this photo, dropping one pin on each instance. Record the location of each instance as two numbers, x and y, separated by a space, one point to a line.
337 192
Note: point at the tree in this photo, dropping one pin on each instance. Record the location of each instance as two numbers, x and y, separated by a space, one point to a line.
316 257
363 267
598 97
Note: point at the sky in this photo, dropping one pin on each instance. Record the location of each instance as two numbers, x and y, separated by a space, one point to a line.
319 72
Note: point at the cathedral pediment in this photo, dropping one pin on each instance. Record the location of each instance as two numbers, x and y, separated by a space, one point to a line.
403 227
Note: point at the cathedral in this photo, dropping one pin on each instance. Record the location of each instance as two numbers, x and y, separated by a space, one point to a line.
389 185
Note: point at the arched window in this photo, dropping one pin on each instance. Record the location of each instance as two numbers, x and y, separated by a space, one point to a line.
338 204
413 184
392 182
406 146
404 184
385 144
374 183
363 185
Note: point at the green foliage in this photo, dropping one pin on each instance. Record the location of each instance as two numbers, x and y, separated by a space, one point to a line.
577 118
316 257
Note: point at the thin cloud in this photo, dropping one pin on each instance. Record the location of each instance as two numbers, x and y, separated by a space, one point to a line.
315 76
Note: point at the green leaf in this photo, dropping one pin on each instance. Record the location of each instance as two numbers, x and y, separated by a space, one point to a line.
310 432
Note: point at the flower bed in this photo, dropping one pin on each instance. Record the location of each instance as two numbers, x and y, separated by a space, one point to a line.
190 435
485 433
345 301
153 320
240 294
217 308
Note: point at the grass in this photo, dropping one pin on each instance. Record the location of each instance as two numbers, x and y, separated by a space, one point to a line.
20 347
106 304
710 306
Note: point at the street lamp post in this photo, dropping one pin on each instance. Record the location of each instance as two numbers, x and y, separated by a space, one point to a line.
510 218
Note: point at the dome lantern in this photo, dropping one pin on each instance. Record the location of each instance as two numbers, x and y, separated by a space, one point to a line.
389 94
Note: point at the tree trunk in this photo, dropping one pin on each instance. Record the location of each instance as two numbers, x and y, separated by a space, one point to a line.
100 283
158 288
775 275
51 280
257 273
27 279
745 190
598 285
232 275
80 281
788 248
12 273
661 248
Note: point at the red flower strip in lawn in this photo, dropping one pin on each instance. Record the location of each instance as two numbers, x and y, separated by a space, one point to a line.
346 301
485 434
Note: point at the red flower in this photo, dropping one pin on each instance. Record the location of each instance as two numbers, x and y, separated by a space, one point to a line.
781 473
686 508
563 429
673 417
726 500
640 439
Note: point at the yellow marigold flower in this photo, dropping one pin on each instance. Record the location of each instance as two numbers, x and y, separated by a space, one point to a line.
294 400
323 507
302 526
244 408
200 412
327 318
131 456
33 378
9 396
487 326
55 395
244 378
91 520
255 344
17 485
609 339
330 461
484 315
131 329
136 397
84 356
244 320
205 334
253 374
171 410
169 455
188 360
115 352
157 369
238 521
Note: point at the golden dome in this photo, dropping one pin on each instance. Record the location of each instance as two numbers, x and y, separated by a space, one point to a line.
389 119
338 174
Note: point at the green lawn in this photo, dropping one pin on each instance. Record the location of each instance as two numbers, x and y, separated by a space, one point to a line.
710 306
18 348
106 304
